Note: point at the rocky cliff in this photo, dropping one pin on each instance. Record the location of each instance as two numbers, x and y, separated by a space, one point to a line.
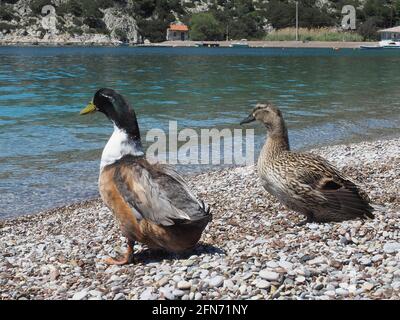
134 21
67 21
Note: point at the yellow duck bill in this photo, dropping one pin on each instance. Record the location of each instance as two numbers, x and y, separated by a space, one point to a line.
90 108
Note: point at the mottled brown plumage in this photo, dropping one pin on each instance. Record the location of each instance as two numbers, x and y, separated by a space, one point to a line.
305 182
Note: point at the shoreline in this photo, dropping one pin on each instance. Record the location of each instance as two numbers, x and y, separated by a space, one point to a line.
187 175
251 249
187 44
273 44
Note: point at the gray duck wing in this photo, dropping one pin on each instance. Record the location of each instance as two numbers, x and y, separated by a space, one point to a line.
159 194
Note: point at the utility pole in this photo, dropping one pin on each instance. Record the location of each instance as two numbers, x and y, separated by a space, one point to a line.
297 21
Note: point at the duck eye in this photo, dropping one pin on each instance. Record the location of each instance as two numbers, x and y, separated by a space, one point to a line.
110 98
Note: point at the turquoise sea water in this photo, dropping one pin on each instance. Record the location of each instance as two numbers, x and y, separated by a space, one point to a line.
49 155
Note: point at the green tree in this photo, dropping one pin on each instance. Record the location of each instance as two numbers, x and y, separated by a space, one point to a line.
204 26
397 11
6 12
239 18
314 16
381 10
121 35
280 14
368 29
84 8
37 5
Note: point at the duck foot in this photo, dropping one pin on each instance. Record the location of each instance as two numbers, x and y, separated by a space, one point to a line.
309 219
302 223
127 259
119 262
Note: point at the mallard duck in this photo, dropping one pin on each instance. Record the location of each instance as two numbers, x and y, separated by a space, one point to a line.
304 182
152 203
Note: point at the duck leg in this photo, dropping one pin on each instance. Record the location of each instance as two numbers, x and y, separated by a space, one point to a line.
127 258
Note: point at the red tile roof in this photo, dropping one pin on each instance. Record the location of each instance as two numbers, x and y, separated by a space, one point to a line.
178 27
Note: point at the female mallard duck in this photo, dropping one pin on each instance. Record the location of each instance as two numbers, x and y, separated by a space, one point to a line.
304 182
152 203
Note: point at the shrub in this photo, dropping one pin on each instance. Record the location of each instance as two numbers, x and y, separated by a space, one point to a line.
317 34
97 24
73 7
84 8
7 27
204 26
37 5
75 30
76 21
121 35
368 29
104 4
6 12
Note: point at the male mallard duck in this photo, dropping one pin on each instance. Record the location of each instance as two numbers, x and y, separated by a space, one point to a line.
152 203
304 182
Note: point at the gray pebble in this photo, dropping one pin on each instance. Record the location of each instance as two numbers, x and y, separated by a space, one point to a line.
184 285
216 282
269 275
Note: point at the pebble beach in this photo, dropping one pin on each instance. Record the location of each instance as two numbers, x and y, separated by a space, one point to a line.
251 250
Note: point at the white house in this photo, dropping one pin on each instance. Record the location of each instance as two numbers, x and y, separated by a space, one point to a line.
390 34
390 37
178 32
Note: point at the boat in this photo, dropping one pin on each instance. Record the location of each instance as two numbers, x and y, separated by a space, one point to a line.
390 39
239 44
384 44
207 44
371 47
391 44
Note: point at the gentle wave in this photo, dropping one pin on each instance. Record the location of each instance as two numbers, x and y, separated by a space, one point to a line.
49 155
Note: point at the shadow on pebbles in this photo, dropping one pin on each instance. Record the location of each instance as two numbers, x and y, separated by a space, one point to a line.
251 250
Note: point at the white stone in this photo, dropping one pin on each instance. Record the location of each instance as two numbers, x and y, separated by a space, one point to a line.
178 293
342 292
198 296
80 295
318 260
148 295
184 285
286 265
216 281
391 247
269 275
262 284
272 264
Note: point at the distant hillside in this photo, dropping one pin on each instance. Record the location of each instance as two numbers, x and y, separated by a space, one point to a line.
133 21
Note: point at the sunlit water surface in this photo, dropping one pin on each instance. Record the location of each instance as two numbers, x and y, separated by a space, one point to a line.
49 155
